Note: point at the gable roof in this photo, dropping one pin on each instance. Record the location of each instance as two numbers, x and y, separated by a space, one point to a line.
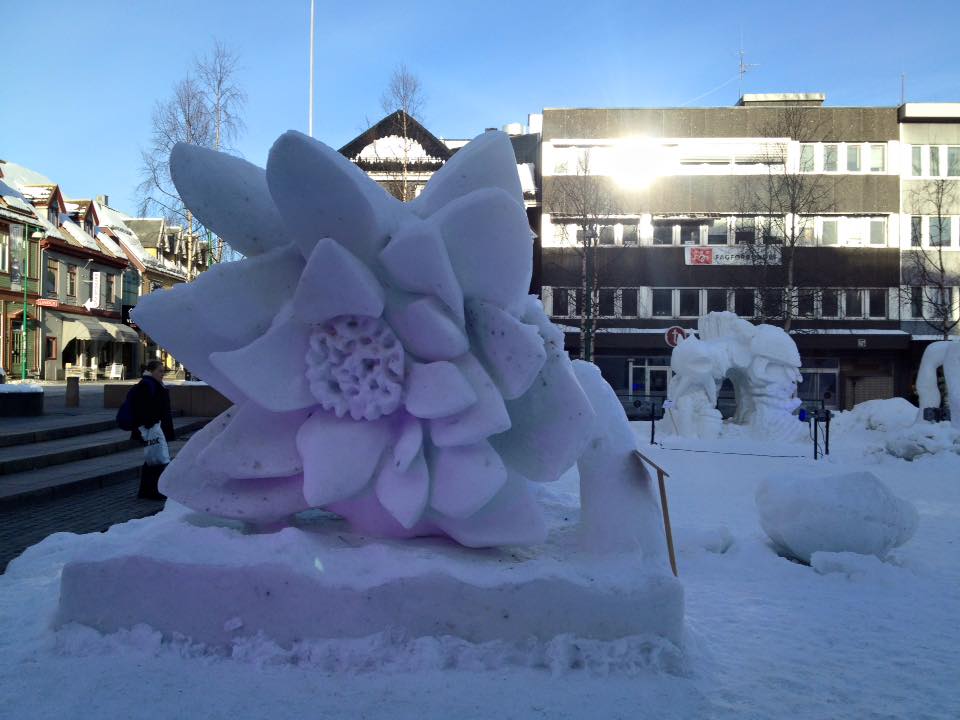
392 126
147 230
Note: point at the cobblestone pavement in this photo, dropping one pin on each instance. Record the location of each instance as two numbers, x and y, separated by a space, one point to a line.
83 512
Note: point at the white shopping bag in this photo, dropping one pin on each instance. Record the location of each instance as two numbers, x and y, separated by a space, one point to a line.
156 451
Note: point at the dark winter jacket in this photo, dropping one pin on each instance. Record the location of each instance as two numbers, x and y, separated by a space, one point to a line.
150 402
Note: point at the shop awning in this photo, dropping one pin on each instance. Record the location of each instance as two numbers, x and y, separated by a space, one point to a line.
84 328
120 332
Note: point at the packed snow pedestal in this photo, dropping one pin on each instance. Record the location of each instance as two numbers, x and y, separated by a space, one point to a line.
391 379
943 355
852 512
762 363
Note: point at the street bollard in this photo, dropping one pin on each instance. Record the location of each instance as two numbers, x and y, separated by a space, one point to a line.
73 392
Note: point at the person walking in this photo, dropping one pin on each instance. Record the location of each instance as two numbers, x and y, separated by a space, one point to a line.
149 402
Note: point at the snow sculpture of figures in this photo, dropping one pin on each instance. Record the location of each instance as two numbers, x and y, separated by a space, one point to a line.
761 361
384 358
943 354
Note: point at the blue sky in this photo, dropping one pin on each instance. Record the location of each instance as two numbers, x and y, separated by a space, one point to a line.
81 79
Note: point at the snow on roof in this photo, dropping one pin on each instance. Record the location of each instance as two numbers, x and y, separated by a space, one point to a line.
78 234
527 182
110 244
12 199
18 175
38 193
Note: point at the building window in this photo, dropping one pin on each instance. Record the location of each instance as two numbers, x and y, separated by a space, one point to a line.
628 303
716 300
662 303
935 160
744 303
607 234
772 302
744 233
4 248
806 158
878 231
805 298
878 158
690 232
853 158
689 303
854 231
717 232
607 298
953 161
771 231
916 160
72 280
939 232
111 289
916 231
853 304
805 226
662 233
50 282
630 234
51 348
830 303
53 215
560 302
828 235
829 158
878 303
916 302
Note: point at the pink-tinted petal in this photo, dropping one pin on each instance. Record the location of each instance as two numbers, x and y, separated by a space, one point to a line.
488 416
426 329
465 478
511 518
335 283
416 259
322 194
437 389
339 455
230 196
487 161
490 246
272 369
404 493
256 443
512 351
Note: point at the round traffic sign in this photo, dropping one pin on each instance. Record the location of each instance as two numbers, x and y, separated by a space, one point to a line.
674 335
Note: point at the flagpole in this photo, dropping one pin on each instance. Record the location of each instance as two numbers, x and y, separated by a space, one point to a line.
310 113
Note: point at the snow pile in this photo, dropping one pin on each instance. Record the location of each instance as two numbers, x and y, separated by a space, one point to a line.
945 356
883 415
924 438
851 512
10 388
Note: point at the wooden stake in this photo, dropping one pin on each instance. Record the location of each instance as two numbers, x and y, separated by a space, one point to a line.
661 474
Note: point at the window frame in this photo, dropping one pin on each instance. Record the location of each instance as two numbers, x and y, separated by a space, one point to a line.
854 150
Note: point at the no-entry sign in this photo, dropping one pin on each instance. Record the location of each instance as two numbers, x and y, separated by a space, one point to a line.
674 335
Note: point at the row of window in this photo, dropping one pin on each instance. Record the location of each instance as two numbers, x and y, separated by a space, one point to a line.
935 160
51 281
843 157
828 303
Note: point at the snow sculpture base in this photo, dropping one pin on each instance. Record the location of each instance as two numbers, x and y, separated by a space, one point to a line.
215 584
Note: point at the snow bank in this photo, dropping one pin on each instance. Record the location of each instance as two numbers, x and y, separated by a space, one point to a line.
10 388
884 415
923 439
851 512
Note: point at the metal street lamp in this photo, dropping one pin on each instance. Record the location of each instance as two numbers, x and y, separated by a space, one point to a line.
38 236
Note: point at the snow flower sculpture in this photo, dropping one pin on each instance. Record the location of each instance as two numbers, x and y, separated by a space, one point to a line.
762 363
945 356
385 360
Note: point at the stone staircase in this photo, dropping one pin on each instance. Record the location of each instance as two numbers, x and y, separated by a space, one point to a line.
60 456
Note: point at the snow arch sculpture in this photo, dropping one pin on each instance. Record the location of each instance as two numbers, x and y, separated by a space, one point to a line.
761 361
943 354
384 359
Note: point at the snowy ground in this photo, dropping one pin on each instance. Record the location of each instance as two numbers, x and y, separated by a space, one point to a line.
766 638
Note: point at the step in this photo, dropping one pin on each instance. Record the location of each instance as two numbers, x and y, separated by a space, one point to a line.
61 480
55 426
20 458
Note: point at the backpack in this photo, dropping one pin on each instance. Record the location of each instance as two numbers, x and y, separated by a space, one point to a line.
125 417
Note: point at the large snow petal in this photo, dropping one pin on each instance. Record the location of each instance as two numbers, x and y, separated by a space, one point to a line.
272 370
465 478
487 161
416 259
488 416
437 389
426 329
490 246
223 309
256 443
230 196
322 194
262 500
512 351
512 518
339 455
548 433
404 492
335 283
409 443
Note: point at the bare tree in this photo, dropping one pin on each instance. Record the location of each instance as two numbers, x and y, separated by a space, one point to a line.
404 92
786 198
928 267
205 109
584 199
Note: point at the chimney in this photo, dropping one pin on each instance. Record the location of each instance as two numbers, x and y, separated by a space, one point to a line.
103 199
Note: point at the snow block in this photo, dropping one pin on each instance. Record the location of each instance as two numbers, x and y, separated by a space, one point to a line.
217 584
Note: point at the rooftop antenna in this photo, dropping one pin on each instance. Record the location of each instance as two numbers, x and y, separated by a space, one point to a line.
744 67
310 111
